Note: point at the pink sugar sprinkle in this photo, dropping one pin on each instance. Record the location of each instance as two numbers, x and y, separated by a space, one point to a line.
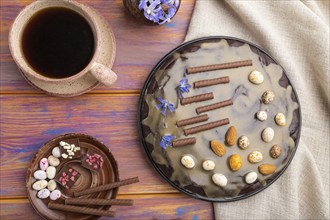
70 170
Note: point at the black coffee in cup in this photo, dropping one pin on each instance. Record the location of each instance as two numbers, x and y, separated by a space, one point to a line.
58 42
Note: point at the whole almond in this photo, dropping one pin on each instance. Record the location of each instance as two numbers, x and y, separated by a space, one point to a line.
231 136
218 148
266 169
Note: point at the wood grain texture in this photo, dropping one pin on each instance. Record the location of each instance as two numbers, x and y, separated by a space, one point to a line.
145 207
28 121
139 46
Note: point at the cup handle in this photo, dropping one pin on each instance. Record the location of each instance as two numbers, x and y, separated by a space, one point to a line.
103 74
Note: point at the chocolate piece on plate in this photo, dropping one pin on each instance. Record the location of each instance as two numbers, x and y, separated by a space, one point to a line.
92 160
67 176
70 149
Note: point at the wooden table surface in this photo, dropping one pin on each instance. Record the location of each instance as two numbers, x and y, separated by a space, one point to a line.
30 118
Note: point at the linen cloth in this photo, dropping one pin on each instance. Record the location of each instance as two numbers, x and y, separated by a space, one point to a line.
296 34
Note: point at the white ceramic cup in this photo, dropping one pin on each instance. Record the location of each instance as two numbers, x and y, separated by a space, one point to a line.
104 43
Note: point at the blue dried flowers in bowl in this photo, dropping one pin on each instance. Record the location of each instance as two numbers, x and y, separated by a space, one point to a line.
155 11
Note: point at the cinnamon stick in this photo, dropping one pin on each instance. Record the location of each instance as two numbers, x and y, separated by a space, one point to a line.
211 82
183 142
87 201
205 127
197 98
214 106
106 187
80 209
192 120
221 66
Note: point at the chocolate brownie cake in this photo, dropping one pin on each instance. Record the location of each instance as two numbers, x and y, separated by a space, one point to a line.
219 119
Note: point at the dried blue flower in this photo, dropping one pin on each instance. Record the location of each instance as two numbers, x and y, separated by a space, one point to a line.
183 87
166 141
159 11
151 9
169 8
164 105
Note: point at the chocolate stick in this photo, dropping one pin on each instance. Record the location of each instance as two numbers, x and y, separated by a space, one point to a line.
211 82
79 209
106 187
197 98
192 120
205 127
183 142
221 66
87 201
214 106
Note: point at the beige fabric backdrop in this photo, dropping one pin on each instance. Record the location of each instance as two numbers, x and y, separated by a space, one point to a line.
296 33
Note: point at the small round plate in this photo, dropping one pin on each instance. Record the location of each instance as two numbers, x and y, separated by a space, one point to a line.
67 89
107 174
164 81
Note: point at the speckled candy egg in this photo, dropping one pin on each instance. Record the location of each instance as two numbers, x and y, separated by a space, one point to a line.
52 185
268 97
51 172
251 177
43 164
56 194
40 184
53 161
43 194
208 165
256 77
261 115
40 175
280 119
187 161
219 179
267 135
275 151
235 162
255 157
243 142
56 152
